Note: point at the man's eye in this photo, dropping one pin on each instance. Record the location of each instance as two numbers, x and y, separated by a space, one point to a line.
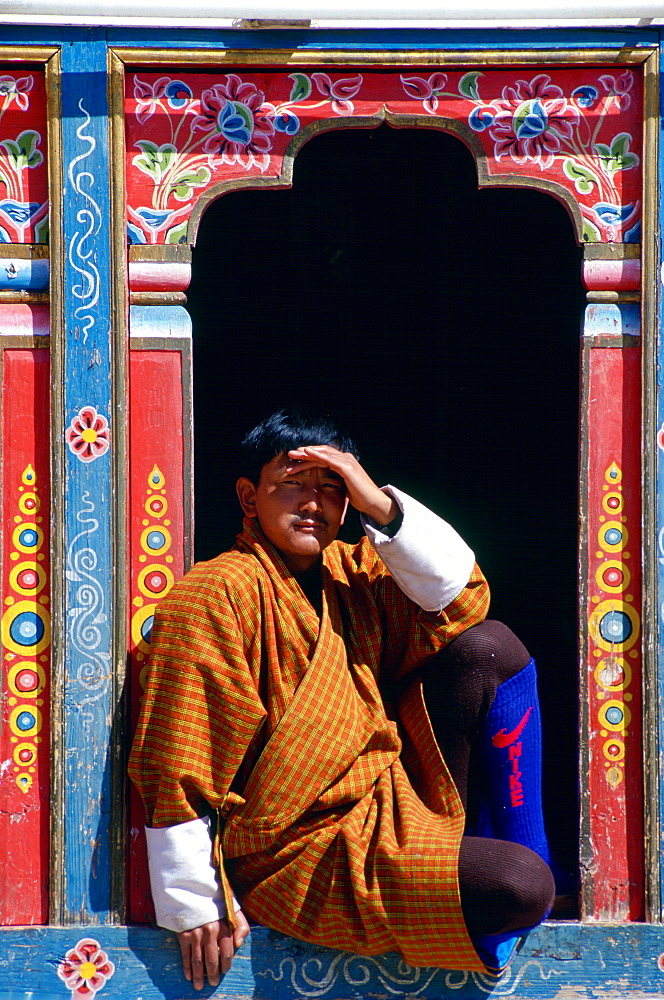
337 487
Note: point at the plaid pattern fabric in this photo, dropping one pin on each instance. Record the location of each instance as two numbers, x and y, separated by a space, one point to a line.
338 827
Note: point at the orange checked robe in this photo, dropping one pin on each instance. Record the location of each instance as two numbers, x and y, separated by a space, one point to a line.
339 825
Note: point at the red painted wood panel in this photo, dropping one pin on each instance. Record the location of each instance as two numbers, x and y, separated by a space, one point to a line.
23 173
24 737
614 650
157 545
578 128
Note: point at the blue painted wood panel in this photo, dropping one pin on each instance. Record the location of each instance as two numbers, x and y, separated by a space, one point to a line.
558 960
86 226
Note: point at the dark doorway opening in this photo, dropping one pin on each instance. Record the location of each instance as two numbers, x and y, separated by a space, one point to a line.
440 325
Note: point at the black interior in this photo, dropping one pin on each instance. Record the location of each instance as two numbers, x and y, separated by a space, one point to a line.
439 324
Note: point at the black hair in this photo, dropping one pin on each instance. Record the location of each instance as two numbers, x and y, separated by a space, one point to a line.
282 432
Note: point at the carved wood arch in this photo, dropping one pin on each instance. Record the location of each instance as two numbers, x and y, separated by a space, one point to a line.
437 123
574 133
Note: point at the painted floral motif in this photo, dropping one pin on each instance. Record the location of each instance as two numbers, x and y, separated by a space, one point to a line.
85 969
13 89
535 124
577 129
88 434
427 90
531 121
231 125
238 122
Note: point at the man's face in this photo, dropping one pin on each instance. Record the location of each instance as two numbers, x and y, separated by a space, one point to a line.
300 512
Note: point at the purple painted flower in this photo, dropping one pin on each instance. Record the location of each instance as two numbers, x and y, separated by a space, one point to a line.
16 89
149 95
425 90
240 123
619 88
340 92
531 120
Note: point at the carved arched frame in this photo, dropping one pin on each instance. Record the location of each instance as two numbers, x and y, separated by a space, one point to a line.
576 125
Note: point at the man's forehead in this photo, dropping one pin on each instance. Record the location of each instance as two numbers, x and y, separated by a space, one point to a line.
281 462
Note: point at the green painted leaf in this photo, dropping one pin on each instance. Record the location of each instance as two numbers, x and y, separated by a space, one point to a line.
591 233
178 234
620 145
616 157
41 230
23 152
155 160
584 179
301 87
629 160
468 86
189 179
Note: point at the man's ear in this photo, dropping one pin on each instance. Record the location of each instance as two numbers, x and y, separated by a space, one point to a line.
246 494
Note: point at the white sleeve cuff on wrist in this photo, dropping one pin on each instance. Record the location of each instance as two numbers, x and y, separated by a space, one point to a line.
430 562
185 885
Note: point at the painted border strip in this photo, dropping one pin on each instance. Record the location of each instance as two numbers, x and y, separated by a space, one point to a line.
157 539
83 430
612 765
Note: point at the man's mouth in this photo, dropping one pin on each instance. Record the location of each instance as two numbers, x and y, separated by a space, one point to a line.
309 524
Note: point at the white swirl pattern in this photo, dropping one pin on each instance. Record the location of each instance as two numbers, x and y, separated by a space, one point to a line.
90 217
88 623
311 979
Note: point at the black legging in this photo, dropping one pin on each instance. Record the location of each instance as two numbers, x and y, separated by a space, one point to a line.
504 886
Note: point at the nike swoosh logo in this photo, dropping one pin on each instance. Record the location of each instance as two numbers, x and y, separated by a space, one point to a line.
504 739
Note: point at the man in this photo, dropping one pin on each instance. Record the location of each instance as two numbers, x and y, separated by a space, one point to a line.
300 694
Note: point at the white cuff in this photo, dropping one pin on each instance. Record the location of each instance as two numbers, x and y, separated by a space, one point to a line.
430 562
185 885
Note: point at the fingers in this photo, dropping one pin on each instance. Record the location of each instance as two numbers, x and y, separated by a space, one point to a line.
316 456
362 492
225 947
194 951
242 930
209 950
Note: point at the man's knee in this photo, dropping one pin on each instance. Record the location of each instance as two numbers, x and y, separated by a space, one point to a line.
468 671
490 646
504 886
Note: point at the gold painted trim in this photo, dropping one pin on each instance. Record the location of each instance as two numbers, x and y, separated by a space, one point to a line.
23 251
9 340
157 298
599 295
57 880
649 615
28 53
119 352
169 252
611 251
23 296
607 340
381 57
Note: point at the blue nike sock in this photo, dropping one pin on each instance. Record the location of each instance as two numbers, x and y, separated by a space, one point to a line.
511 751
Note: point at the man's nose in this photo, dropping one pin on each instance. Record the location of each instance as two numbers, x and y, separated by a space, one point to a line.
311 499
